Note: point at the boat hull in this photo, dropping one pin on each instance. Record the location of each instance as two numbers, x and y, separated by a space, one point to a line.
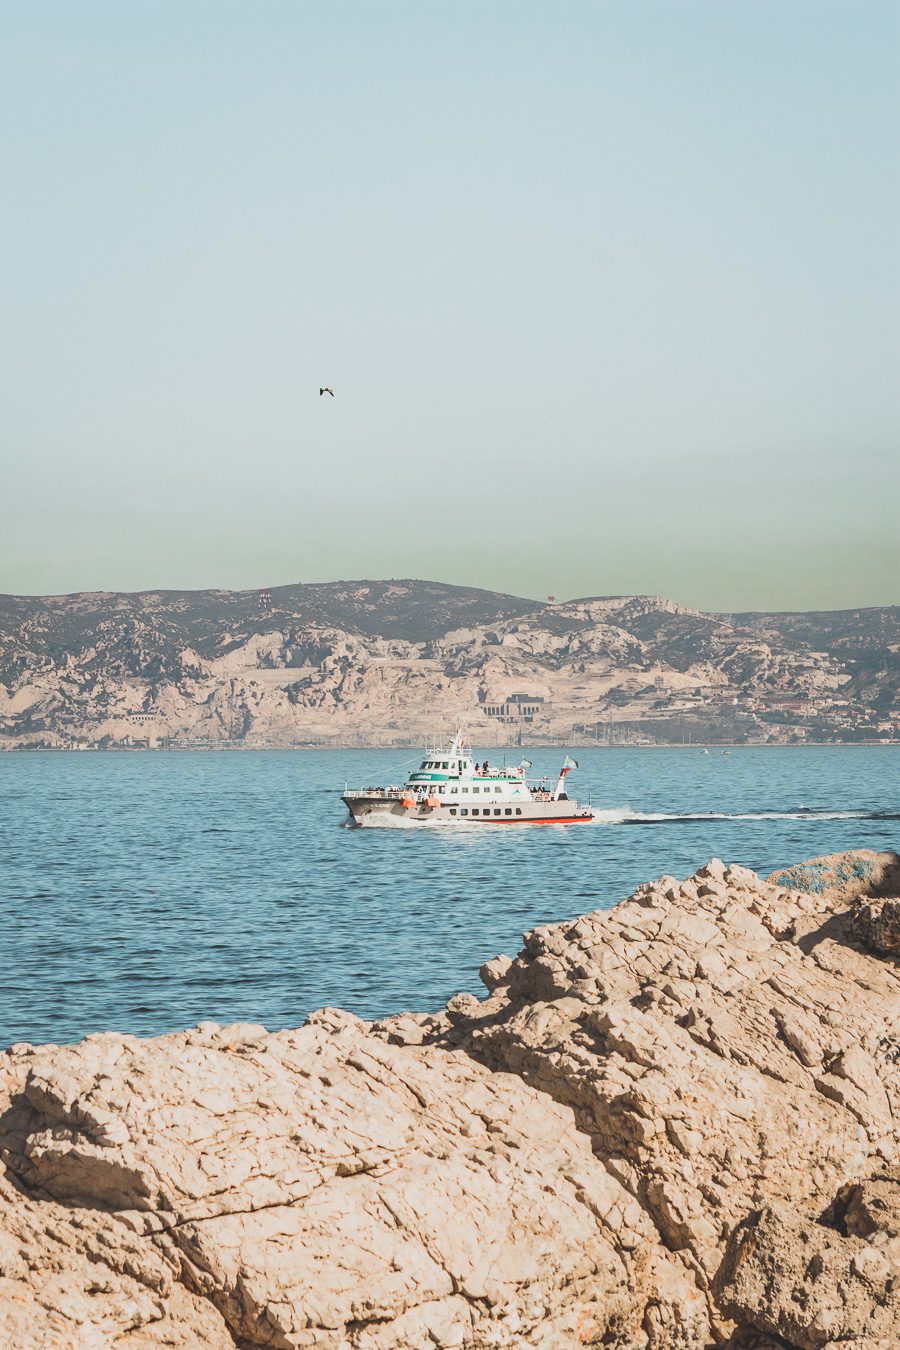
377 810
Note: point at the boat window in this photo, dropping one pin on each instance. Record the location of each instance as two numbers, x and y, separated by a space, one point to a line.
496 810
518 810
445 765
496 789
465 789
453 810
508 811
475 811
463 810
476 789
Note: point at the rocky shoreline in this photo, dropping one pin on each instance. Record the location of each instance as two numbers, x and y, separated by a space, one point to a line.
672 1124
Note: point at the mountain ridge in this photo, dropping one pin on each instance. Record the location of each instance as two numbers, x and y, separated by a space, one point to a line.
377 661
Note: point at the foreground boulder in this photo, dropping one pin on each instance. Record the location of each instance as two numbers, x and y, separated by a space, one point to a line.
817 1284
657 1119
876 924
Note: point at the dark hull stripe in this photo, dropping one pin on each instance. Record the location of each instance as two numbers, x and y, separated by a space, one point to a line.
525 820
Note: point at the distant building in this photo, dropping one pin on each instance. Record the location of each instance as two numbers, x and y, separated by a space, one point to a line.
514 708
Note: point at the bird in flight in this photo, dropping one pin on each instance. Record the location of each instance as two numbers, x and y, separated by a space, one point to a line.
326 390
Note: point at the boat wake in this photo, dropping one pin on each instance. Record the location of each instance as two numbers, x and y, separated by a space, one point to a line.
625 816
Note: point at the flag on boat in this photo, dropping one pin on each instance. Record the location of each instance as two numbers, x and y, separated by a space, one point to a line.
570 763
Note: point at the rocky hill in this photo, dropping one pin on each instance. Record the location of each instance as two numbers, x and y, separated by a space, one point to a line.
381 662
669 1125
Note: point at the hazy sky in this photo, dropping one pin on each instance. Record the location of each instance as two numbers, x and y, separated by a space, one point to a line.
608 294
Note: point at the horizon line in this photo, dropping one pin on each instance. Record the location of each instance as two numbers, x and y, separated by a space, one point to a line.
544 603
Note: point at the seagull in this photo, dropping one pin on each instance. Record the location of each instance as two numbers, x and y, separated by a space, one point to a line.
327 390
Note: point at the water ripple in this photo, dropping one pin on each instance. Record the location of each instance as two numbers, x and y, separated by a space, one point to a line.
146 892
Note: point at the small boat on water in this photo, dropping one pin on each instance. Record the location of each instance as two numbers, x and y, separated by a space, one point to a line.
450 786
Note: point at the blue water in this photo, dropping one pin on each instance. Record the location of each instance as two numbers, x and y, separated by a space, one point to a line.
146 892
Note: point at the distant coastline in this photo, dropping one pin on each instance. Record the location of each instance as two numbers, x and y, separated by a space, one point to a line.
378 663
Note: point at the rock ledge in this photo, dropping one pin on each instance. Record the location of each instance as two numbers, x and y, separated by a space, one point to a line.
669 1125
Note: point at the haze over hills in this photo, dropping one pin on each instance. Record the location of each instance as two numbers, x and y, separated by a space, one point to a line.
389 662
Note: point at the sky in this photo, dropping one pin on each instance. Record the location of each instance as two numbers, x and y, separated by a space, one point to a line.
607 293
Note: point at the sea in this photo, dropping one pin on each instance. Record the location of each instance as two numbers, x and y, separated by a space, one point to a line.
146 891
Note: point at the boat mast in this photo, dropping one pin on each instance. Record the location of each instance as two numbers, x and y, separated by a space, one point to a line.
561 782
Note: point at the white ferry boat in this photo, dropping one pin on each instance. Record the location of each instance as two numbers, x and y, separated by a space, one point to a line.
450 786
